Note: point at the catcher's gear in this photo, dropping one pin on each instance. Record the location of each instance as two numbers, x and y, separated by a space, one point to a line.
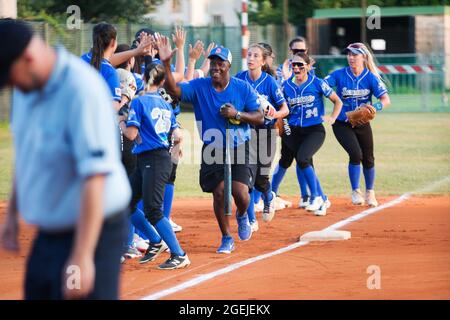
361 115
127 83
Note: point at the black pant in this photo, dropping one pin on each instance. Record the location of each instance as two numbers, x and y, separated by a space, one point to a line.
263 143
304 142
129 159
148 182
287 155
50 252
357 142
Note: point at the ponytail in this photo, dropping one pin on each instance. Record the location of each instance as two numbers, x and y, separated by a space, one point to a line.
154 75
369 62
102 36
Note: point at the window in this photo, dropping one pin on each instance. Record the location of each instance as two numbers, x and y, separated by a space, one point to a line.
176 5
217 19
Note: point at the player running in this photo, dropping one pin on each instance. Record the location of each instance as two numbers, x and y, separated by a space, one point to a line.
355 85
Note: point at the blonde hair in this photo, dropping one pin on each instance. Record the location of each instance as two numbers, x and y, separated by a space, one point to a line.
369 62
153 76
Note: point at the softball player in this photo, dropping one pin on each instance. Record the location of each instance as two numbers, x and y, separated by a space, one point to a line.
104 39
148 124
355 85
283 72
304 93
267 90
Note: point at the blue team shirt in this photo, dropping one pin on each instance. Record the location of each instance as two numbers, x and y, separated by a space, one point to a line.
154 118
267 87
306 100
109 74
207 102
139 82
355 91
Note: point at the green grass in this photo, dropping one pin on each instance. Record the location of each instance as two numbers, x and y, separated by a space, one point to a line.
411 150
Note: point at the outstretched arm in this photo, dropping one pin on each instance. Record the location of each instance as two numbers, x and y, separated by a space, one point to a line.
165 55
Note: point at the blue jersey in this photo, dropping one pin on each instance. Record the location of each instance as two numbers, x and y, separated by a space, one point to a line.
207 102
355 91
306 100
267 87
139 82
109 74
154 118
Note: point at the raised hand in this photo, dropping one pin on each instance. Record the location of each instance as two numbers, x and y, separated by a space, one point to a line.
196 51
164 48
211 46
145 44
179 38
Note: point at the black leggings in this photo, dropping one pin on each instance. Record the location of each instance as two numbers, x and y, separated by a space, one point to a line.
357 142
265 148
304 142
148 182
287 155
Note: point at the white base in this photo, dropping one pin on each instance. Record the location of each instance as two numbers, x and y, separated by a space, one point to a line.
326 236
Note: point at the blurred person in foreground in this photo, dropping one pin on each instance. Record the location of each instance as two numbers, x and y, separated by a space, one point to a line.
68 178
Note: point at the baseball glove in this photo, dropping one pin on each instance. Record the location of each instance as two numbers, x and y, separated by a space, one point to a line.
127 83
361 115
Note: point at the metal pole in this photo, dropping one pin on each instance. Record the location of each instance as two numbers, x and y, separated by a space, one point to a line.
245 33
363 21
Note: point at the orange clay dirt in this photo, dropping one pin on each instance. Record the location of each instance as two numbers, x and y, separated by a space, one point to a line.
409 242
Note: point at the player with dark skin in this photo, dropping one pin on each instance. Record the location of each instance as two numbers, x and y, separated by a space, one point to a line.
220 80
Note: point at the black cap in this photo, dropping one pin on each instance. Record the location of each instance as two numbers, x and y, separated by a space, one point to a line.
146 30
16 35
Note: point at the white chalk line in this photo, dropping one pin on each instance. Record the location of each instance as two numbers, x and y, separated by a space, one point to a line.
205 277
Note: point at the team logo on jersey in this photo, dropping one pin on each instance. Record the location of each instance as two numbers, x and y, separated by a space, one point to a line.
325 87
306 100
131 114
381 86
279 93
118 92
354 93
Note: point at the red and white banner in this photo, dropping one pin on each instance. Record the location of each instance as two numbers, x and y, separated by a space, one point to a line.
406 69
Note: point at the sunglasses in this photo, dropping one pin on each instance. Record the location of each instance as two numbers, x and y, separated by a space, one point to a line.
295 51
300 65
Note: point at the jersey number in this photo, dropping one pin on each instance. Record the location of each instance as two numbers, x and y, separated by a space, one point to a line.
163 120
311 113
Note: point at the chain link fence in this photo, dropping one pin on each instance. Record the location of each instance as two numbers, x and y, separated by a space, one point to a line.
409 92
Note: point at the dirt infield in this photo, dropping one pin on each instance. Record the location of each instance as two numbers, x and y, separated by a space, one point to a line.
410 243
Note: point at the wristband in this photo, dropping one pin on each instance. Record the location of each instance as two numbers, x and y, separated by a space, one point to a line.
378 105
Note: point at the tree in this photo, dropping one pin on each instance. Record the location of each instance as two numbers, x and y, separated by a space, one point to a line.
113 11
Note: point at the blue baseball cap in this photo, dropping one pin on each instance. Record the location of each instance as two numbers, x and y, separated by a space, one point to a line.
221 52
355 48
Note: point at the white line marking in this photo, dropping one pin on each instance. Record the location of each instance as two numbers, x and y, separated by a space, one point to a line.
205 277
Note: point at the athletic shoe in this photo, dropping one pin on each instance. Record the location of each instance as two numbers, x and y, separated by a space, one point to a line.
287 204
175 227
304 202
254 225
244 228
142 245
227 245
259 207
175 262
357 198
315 204
370 198
279 204
153 251
269 209
132 252
322 211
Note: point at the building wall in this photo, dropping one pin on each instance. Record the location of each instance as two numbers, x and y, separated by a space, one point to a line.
447 49
429 34
8 8
198 12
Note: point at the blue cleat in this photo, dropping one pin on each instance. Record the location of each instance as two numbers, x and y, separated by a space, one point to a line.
227 245
244 228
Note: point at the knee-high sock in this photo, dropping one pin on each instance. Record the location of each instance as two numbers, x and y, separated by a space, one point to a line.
319 188
141 223
302 182
166 232
168 199
369 177
354 172
256 196
130 235
311 180
251 207
277 178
